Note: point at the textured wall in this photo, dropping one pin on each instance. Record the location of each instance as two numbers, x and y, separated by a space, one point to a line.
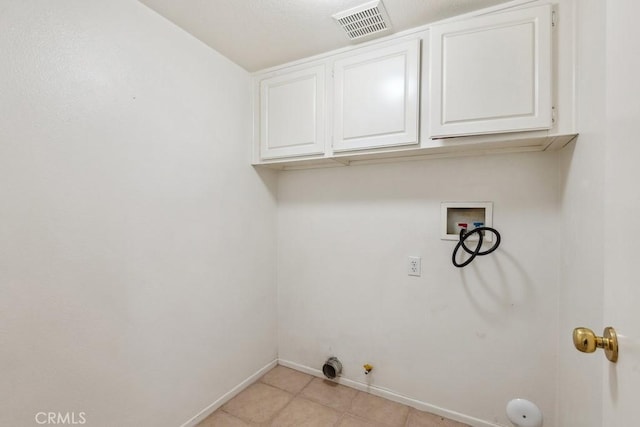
128 215
621 382
466 340
582 225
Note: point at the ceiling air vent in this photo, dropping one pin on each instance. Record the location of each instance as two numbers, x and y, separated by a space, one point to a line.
364 22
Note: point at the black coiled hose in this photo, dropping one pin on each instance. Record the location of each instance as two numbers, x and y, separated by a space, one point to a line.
464 235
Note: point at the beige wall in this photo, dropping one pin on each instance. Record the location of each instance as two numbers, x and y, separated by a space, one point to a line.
137 244
621 382
462 340
582 225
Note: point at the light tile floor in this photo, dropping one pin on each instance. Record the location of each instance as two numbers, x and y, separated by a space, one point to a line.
284 397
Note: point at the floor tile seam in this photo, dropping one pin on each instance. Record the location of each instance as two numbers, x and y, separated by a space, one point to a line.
366 420
406 421
406 417
319 403
350 407
317 400
270 419
245 421
235 416
276 387
298 394
305 386
283 389
381 424
340 418
343 414
311 399
275 415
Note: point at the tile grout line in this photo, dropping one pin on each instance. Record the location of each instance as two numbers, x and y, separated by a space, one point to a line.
233 416
406 419
348 411
343 414
274 416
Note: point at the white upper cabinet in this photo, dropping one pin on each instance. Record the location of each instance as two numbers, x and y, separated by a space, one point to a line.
491 74
492 81
375 98
292 113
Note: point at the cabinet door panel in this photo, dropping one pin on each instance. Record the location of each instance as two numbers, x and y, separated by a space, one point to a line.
376 98
292 114
384 103
491 74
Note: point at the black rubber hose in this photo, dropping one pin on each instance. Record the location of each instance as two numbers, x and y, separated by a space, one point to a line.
464 235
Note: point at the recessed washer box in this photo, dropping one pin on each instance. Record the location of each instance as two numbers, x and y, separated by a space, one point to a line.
455 213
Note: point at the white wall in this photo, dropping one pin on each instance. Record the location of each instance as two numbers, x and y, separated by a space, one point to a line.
466 340
128 215
582 225
621 386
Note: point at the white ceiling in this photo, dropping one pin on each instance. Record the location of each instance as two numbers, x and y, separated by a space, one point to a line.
257 34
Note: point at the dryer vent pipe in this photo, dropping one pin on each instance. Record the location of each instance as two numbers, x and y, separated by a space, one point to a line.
332 368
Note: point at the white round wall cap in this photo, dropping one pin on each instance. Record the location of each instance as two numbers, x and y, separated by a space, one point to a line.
524 413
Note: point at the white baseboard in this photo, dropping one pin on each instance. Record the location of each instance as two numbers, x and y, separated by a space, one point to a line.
228 396
391 395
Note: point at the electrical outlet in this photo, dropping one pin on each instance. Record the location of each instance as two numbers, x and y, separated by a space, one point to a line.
414 267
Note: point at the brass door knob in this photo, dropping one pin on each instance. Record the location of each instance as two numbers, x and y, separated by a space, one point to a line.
586 341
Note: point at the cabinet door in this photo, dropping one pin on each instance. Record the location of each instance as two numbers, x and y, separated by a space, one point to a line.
376 98
292 114
491 74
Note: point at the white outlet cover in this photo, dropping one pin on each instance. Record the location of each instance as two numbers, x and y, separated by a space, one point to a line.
414 266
